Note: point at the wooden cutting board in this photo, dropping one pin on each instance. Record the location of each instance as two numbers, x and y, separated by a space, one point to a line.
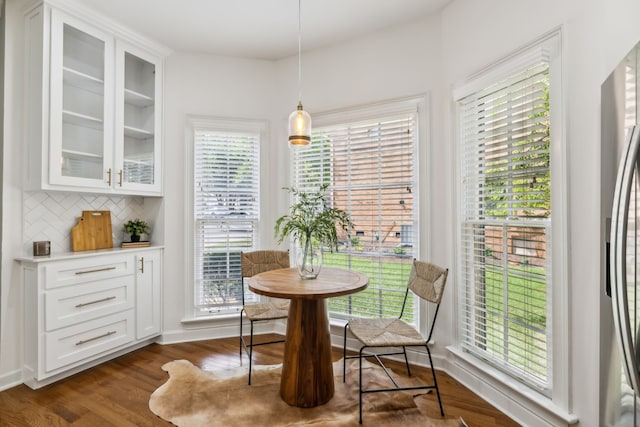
93 231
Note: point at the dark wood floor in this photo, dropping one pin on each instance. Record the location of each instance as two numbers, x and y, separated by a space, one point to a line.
117 392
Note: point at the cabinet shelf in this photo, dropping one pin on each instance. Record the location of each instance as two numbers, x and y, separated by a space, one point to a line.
80 155
82 120
131 162
137 133
138 99
81 163
83 81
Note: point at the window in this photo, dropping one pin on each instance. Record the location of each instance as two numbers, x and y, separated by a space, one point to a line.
505 232
369 164
226 210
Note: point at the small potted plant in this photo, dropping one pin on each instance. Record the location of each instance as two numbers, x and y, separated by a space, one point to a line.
312 223
136 227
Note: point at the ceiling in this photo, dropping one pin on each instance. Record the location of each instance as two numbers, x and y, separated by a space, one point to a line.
266 29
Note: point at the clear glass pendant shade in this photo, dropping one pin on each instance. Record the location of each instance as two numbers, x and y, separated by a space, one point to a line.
299 127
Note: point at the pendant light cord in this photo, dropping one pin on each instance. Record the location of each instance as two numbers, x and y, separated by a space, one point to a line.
299 53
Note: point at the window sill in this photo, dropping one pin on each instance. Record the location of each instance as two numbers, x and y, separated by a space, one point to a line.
338 323
506 389
209 319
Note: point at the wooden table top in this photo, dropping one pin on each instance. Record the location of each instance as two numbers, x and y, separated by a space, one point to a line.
287 283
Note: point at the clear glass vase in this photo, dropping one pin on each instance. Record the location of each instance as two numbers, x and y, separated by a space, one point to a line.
308 258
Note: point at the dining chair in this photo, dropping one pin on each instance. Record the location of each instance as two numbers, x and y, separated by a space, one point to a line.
253 263
427 281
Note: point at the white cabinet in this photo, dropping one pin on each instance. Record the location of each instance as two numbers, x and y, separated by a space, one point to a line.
138 103
148 295
82 309
81 110
94 108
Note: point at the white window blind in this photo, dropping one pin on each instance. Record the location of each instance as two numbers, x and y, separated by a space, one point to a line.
226 208
369 166
139 168
506 227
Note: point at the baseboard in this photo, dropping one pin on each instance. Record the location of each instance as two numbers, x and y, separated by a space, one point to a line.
212 329
10 379
201 333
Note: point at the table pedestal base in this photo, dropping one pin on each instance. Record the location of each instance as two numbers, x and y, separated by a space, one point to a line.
307 368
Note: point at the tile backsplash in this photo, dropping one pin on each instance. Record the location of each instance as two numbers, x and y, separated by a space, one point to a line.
51 215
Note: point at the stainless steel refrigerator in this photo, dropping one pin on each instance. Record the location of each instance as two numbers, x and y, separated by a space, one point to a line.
620 203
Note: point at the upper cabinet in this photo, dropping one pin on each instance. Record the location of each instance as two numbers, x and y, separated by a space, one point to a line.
81 105
138 90
94 108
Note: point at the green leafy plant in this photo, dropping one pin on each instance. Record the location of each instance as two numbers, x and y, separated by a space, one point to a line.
311 220
398 250
136 227
355 243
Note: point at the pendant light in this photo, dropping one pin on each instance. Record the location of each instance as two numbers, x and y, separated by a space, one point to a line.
299 120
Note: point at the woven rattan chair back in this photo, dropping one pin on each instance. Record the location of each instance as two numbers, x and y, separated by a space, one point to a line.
427 281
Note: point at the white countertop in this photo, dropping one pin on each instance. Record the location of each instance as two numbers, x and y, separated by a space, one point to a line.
83 254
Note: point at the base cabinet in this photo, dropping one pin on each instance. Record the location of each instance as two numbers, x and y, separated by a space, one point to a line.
148 296
84 308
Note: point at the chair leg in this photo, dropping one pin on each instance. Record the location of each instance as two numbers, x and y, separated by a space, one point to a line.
360 385
406 361
250 350
241 340
435 381
344 355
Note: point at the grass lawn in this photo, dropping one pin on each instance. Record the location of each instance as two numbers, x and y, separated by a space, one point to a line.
515 317
388 277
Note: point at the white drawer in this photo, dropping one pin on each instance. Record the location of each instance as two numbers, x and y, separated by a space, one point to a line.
87 301
72 272
78 342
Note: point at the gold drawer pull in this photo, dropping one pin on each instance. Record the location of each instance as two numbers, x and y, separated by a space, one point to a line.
94 302
96 270
95 338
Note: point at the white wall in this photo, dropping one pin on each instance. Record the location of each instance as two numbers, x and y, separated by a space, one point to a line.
397 62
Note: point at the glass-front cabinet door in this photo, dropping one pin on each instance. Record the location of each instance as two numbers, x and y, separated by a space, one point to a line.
137 146
81 108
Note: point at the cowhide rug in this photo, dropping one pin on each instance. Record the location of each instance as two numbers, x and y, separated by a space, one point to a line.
192 398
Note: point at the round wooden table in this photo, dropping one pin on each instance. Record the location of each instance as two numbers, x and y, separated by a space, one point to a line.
307 367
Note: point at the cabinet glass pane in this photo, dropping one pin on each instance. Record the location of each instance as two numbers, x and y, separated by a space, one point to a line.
82 105
139 125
